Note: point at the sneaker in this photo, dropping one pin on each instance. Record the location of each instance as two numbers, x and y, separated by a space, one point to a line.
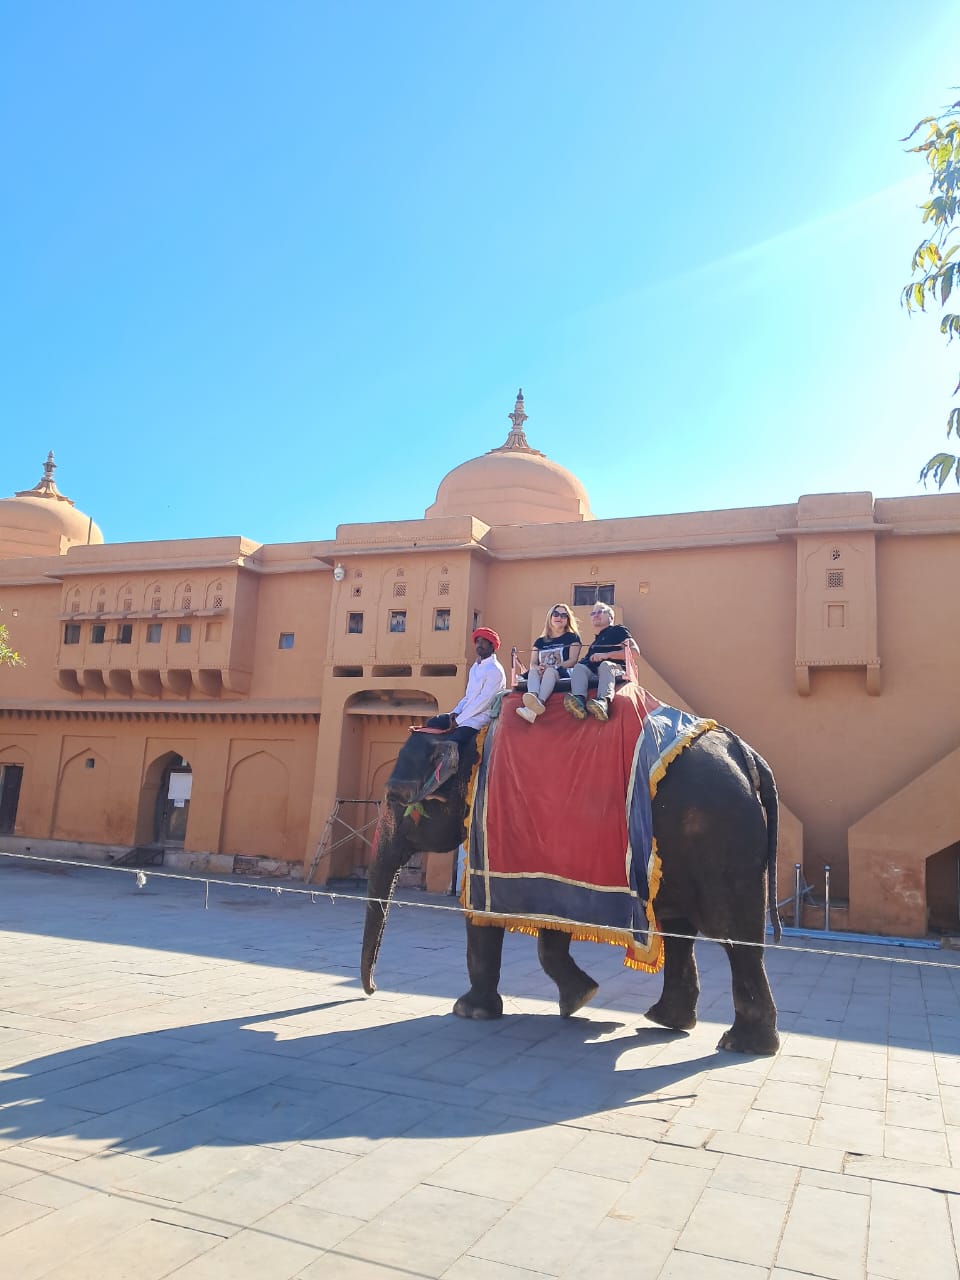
526 714
598 708
573 703
531 701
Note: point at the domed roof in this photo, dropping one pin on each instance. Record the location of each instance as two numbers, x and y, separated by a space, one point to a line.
42 521
512 485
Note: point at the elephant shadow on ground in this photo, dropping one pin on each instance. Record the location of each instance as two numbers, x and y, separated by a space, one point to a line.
279 1077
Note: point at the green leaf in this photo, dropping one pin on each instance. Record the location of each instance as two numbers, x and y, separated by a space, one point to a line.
946 284
919 125
939 466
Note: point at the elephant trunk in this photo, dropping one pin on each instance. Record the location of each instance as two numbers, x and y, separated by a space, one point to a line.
381 881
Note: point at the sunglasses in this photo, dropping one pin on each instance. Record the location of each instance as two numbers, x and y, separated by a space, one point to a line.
559 613
598 613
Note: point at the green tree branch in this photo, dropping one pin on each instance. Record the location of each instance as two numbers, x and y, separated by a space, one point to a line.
8 655
935 274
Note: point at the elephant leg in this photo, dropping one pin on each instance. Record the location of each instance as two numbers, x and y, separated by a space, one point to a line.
754 1027
484 949
677 1006
576 987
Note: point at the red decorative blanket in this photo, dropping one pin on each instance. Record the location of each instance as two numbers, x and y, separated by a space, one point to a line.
548 834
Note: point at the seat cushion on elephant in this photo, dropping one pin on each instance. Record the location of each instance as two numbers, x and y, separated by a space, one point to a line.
562 685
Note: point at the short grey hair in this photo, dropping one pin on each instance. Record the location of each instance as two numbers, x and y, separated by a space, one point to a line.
601 607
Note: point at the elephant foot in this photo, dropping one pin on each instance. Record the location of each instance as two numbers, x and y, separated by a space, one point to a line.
576 996
473 1006
672 1019
752 1038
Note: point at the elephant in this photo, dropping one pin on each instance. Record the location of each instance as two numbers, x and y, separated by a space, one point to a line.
715 820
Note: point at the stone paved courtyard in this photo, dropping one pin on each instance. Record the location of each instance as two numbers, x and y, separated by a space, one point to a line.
201 1094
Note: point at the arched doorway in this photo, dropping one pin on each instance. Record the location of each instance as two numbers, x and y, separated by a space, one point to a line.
11 776
942 872
165 802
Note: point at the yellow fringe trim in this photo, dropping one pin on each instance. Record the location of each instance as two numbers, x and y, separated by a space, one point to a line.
649 959
660 769
469 797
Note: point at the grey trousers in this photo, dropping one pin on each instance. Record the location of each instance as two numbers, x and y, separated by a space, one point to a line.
542 685
581 678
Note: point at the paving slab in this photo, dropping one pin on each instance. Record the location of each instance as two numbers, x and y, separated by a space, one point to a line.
207 1093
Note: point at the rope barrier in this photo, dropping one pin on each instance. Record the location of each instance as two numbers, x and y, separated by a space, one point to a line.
142 876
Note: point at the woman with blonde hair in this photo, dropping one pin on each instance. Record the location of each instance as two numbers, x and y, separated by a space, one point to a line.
555 650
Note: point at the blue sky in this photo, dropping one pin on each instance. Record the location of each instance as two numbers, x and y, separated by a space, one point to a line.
270 268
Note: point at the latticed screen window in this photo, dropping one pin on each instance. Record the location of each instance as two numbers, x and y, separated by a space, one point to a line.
186 603
398 620
592 592
441 619
835 553
218 602
127 606
443 589
100 606
834 579
356 592
354 624
399 589
155 602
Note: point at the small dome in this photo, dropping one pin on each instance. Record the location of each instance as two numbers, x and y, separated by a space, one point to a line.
42 521
512 485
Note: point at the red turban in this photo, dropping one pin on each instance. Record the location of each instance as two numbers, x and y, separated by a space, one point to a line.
486 633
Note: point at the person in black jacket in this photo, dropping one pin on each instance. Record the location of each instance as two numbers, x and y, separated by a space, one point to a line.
602 665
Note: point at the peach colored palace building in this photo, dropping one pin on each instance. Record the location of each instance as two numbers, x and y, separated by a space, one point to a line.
211 700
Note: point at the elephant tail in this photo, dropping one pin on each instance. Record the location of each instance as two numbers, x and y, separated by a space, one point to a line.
771 807
762 780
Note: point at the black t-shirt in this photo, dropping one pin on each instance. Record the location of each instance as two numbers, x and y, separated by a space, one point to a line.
565 642
606 641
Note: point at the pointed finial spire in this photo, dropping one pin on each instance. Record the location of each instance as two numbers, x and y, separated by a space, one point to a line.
49 467
46 486
516 438
518 418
